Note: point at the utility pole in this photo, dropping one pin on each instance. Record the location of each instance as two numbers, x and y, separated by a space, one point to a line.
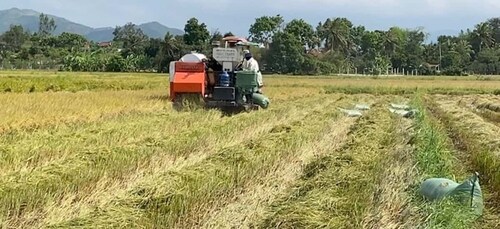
440 56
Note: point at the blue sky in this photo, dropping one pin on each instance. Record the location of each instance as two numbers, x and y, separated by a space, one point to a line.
236 16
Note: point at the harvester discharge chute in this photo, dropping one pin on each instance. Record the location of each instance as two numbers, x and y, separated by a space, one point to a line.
218 82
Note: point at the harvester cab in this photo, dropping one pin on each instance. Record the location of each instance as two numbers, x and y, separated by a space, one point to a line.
218 81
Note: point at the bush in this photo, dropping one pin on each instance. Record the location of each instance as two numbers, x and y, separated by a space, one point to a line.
312 66
453 71
115 64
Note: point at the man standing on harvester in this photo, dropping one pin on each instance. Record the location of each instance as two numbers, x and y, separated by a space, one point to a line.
250 64
218 81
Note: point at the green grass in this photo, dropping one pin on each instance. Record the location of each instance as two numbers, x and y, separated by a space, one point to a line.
479 141
436 158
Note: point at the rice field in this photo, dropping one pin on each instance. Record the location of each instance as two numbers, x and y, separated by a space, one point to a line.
102 150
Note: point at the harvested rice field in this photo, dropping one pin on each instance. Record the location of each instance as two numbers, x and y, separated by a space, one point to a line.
98 150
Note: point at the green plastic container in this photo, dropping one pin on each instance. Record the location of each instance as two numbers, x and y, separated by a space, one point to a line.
246 82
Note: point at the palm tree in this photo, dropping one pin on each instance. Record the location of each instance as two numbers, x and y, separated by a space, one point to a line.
495 27
483 35
337 34
391 42
319 35
170 46
170 49
464 50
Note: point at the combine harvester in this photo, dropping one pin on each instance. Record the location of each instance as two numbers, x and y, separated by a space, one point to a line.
219 81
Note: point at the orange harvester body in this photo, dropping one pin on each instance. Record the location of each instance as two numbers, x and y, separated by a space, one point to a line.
189 77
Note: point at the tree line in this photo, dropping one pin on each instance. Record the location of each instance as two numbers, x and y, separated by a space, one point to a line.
332 46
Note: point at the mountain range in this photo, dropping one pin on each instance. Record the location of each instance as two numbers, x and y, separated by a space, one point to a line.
29 19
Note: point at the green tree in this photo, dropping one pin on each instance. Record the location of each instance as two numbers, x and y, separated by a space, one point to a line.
413 49
357 34
196 34
153 54
71 41
216 36
46 26
228 34
341 46
482 36
302 30
153 47
464 50
371 43
494 24
264 28
171 47
430 54
15 38
393 41
132 38
487 62
116 63
337 34
285 54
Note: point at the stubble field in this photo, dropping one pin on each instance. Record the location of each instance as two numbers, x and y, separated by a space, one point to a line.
97 150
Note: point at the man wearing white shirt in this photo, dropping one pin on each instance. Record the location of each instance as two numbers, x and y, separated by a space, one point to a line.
250 64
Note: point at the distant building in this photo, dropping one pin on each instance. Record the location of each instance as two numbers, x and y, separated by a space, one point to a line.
105 44
434 67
